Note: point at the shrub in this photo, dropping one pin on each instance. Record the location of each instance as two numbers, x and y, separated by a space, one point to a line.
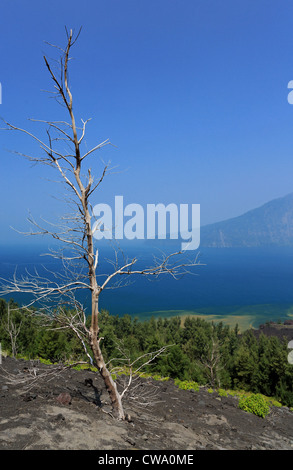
275 402
256 404
187 385
160 378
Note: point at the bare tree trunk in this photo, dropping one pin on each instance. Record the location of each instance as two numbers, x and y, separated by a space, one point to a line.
94 340
213 363
77 234
110 385
13 331
94 337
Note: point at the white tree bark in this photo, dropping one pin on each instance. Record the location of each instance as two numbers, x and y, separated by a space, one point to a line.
74 232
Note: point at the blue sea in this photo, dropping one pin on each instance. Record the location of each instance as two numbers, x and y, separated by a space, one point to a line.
229 281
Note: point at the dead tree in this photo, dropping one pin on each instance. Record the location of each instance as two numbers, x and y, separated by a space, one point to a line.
75 232
13 330
212 363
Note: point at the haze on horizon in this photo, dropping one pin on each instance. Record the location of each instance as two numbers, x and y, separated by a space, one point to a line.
193 94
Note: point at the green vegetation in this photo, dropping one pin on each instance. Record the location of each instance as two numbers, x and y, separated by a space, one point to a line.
187 384
255 404
200 353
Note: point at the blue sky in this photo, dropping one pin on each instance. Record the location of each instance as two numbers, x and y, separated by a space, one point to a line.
193 93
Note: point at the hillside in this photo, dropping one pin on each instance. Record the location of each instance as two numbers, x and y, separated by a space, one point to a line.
63 410
268 225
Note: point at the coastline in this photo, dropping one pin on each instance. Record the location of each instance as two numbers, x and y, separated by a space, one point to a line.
246 317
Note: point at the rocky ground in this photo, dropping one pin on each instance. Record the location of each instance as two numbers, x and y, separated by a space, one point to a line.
44 408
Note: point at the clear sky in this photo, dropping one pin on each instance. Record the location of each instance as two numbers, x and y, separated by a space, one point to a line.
193 93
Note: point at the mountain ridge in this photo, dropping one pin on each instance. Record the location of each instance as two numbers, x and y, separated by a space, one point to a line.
268 225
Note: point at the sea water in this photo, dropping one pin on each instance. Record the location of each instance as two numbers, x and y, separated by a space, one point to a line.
225 280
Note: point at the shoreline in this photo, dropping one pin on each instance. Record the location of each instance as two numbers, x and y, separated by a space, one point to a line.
246 317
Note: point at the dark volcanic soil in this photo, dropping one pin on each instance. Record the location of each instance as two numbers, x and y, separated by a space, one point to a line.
33 418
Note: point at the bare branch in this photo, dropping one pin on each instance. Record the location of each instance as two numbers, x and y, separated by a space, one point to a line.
55 292
162 266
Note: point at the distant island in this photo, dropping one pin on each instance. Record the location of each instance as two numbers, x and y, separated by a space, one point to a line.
268 225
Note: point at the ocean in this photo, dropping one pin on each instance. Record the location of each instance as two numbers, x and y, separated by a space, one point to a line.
249 284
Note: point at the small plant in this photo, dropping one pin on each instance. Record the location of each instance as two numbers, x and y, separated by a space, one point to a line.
236 393
159 378
274 402
256 404
45 361
222 393
187 385
210 390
